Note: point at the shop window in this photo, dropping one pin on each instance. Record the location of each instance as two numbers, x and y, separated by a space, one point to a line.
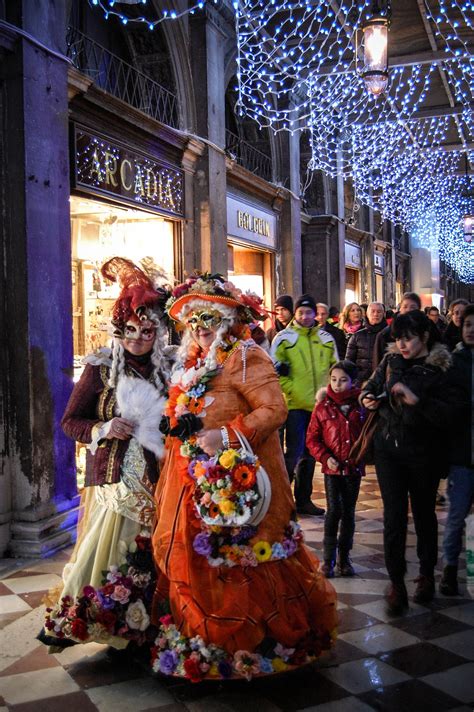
101 231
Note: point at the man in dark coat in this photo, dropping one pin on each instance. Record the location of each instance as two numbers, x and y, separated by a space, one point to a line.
283 308
410 302
361 344
322 315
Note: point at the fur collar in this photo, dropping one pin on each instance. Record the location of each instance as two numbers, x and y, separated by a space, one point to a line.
321 394
439 356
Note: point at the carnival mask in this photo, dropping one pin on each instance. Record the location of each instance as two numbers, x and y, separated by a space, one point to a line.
207 319
144 331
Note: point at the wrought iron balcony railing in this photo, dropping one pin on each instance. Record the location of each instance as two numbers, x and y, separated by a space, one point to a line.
248 156
117 77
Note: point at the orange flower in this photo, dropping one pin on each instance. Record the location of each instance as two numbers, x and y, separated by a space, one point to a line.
199 469
196 405
244 476
213 511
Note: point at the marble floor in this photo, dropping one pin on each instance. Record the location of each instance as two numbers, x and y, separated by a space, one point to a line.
423 661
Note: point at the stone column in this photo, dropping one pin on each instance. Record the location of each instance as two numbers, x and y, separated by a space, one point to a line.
208 33
290 269
38 461
321 260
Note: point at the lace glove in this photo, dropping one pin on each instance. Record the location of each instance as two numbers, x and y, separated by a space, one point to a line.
164 426
188 424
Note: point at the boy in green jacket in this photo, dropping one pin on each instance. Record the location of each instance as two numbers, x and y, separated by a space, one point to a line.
303 354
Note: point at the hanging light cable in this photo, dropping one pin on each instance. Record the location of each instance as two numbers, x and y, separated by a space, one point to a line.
468 217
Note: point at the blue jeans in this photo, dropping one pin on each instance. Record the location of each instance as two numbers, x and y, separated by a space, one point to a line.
461 496
299 463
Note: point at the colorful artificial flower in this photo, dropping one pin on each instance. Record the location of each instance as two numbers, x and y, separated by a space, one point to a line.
228 458
279 665
226 507
244 476
246 664
262 550
136 616
117 608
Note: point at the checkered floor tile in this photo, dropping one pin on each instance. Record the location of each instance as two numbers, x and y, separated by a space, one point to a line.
421 661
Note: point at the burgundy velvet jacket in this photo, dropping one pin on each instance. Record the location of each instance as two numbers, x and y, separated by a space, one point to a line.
92 403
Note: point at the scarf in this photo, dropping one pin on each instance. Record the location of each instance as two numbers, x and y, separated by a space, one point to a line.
352 328
348 397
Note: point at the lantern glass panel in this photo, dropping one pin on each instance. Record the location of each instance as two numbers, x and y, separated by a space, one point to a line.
375 47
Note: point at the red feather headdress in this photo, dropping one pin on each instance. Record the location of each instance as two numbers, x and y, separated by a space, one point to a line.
138 296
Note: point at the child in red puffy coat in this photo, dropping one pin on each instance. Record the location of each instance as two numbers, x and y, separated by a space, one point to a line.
335 425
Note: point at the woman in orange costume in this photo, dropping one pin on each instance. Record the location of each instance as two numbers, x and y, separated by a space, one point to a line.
241 599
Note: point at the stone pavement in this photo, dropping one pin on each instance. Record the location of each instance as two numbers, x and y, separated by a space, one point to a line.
423 661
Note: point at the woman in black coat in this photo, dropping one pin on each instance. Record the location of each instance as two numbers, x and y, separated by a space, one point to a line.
415 400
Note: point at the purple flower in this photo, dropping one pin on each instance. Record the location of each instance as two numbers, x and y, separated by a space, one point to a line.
244 534
89 591
202 544
105 602
289 546
168 661
225 668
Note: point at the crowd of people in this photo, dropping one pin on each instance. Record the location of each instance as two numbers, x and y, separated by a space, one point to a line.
189 544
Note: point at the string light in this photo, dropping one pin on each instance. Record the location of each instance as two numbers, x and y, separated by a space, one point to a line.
296 71
167 14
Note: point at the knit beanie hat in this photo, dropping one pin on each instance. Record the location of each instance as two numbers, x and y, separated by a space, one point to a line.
306 300
285 301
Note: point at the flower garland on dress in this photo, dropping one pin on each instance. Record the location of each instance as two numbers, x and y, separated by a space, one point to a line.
175 654
225 485
227 546
115 612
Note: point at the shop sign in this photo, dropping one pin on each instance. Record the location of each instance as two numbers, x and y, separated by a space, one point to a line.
353 255
105 167
251 224
379 263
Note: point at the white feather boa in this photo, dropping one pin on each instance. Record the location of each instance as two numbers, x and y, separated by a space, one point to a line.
141 403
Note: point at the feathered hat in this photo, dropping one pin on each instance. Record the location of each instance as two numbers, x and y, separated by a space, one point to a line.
138 297
143 298
214 288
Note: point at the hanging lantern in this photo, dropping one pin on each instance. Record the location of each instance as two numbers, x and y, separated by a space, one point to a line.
375 53
468 226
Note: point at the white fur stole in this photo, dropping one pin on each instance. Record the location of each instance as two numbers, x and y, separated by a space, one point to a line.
141 403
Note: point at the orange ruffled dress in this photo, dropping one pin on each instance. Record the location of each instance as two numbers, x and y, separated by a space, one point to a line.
262 618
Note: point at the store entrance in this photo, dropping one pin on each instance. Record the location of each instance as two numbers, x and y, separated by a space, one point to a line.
352 293
251 269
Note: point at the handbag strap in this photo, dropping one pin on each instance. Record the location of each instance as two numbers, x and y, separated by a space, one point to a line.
243 441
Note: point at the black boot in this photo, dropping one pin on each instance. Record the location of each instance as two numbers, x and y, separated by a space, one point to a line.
344 565
396 598
328 568
425 589
448 585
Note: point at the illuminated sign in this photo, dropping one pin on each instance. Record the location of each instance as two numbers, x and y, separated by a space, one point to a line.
250 223
105 167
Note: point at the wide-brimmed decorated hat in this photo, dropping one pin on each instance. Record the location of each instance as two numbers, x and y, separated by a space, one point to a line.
215 289
139 298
